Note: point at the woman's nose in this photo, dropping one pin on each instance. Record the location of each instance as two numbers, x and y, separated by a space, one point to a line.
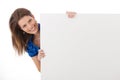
29 26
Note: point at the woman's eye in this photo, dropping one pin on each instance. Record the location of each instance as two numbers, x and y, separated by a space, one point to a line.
30 20
24 26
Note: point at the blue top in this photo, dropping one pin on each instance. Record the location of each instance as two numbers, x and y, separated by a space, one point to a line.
32 49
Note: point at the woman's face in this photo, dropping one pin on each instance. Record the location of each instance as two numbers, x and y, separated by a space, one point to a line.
28 24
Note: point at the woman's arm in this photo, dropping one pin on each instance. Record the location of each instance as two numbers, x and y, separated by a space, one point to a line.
37 63
37 59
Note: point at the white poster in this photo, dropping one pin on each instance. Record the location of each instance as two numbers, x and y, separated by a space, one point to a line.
86 47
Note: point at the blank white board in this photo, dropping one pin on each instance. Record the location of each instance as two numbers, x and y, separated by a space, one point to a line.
86 47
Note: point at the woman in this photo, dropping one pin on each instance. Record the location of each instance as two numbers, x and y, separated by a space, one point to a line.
26 34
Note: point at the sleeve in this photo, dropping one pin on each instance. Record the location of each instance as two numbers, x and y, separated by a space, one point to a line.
32 49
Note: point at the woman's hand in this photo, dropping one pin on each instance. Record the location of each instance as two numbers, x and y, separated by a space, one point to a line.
71 14
41 54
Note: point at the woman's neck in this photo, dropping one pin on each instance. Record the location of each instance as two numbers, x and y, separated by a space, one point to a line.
37 35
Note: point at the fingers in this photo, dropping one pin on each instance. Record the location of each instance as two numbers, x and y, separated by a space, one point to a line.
71 14
41 54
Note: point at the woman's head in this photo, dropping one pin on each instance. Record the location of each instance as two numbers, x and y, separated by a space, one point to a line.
19 18
21 24
28 24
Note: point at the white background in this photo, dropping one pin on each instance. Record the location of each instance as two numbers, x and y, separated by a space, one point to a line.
13 67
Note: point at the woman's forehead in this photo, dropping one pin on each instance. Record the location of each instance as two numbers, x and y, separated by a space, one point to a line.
24 20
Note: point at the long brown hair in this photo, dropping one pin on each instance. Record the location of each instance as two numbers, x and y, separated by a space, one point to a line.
19 37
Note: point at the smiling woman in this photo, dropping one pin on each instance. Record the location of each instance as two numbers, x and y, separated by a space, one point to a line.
26 34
